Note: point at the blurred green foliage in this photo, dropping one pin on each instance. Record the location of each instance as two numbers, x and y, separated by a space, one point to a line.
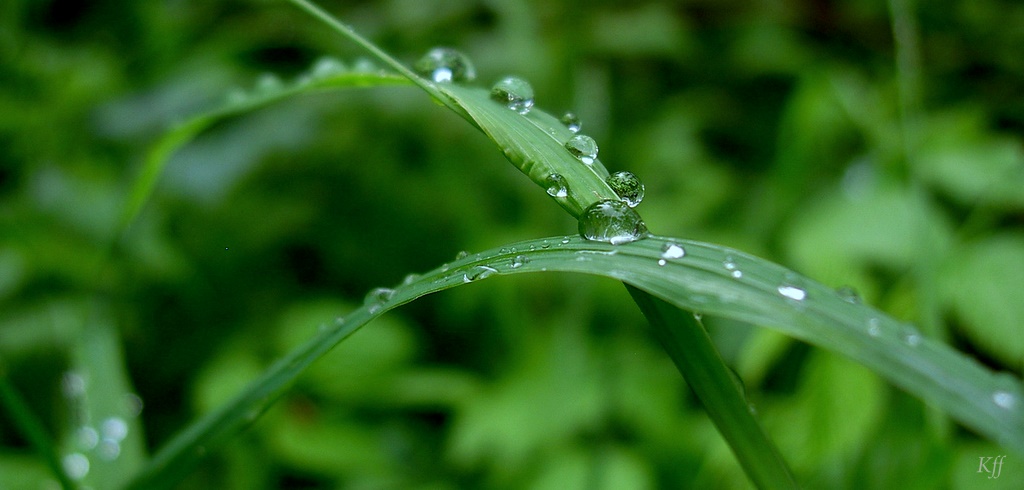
773 127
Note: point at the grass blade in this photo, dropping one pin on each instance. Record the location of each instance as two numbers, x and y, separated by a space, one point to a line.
984 401
695 356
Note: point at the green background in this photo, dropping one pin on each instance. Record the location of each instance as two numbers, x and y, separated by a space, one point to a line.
797 131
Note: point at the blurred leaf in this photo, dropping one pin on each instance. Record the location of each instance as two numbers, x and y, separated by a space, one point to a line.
982 282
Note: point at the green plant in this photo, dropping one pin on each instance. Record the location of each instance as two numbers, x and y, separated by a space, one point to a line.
667 278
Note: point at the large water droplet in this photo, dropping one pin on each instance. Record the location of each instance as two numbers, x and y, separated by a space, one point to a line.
326 67
571 122
114 428
611 221
514 93
446 65
519 261
557 186
672 250
76 465
377 297
849 295
478 272
1004 399
792 292
627 187
582 147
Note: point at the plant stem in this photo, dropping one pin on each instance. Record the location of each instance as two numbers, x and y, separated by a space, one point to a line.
32 429
693 353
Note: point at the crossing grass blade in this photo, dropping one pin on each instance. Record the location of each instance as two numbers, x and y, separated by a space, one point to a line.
987 402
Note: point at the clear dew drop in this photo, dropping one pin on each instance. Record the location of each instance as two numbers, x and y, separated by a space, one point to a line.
556 186
478 272
734 271
377 296
627 187
911 336
612 221
114 428
874 327
662 262
72 384
109 449
86 438
582 147
519 261
792 292
849 295
1004 399
76 465
133 404
268 82
446 65
326 67
672 250
461 255
514 93
571 122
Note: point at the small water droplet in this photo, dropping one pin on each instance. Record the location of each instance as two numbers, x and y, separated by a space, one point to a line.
911 336
461 255
1004 399
446 65
611 221
478 272
132 404
662 262
514 93
268 82
364 65
627 187
325 67
565 241
582 147
519 261
76 465
672 250
72 384
792 292
571 122
849 295
86 438
874 327
730 265
378 296
236 96
557 186
114 428
410 278
109 449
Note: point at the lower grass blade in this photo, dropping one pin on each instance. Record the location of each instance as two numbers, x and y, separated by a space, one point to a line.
690 348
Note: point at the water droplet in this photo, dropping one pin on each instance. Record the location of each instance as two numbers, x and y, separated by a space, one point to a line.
72 384
364 65
911 336
114 428
557 186
792 292
874 329
514 93
730 265
461 255
582 147
326 67
86 438
672 250
565 241
268 82
571 122
236 96
446 65
1004 399
627 187
662 262
478 272
76 465
132 404
109 449
611 221
377 296
519 261
410 278
849 295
